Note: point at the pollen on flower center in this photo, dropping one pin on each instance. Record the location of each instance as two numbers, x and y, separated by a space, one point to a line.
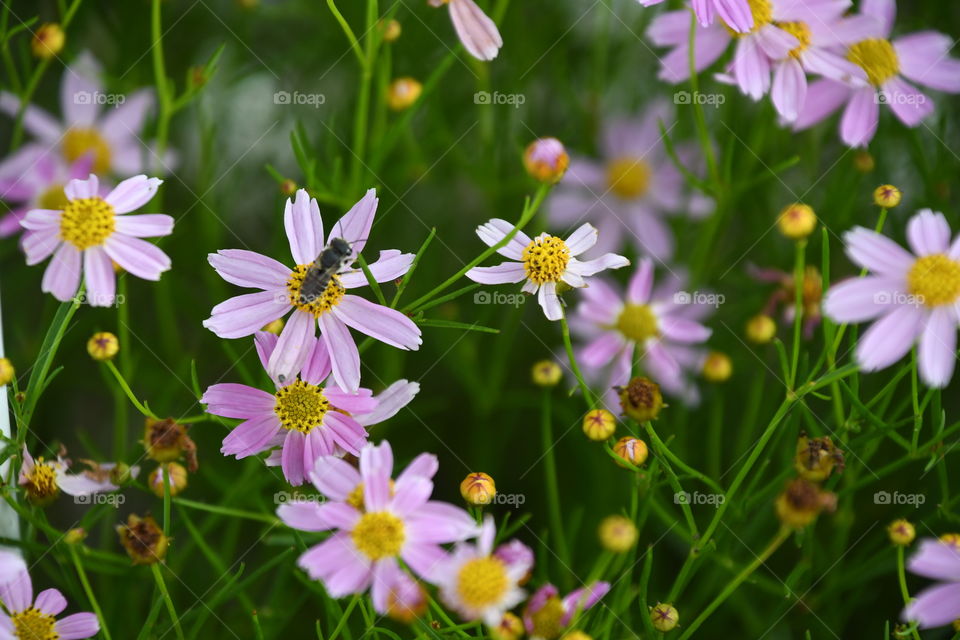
629 178
547 620
482 582
87 222
379 535
79 142
762 11
877 57
935 280
327 300
355 497
637 322
801 32
53 198
43 479
545 259
32 624
301 406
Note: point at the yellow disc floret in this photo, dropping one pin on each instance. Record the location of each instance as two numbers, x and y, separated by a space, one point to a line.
482 582
637 322
801 32
79 142
330 297
40 483
877 57
545 259
935 280
33 624
548 619
379 535
301 406
762 11
87 222
629 178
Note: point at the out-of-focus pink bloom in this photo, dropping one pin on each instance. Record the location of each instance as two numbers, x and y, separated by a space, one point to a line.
477 32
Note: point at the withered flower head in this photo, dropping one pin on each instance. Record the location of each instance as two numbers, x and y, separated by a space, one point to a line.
640 399
801 502
816 458
143 539
166 441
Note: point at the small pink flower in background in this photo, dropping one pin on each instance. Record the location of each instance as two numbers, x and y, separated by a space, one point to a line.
96 479
660 327
543 262
33 178
734 13
376 526
921 57
546 614
476 583
629 191
938 605
913 297
89 233
477 32
334 311
307 418
26 617
104 125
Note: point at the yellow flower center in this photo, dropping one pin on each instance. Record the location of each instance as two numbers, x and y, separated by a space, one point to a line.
81 141
87 222
545 259
42 481
330 297
637 322
53 198
482 582
32 624
379 535
629 178
935 280
355 497
877 57
546 621
301 406
801 32
762 11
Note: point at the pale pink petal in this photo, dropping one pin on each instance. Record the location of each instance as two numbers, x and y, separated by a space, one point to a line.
139 257
735 13
862 299
775 42
133 193
383 323
232 400
595 266
938 348
936 560
305 515
62 276
582 239
503 273
42 220
355 225
301 219
78 88
602 350
884 11
249 269
389 402
549 301
495 230
291 458
789 89
78 189
386 572
250 437
477 32
582 172
17 594
877 253
35 120
651 234
641 283
38 245
246 314
293 347
928 233
823 99
441 522
128 118
670 29
344 356
352 403
890 338
860 118
346 432
751 68
935 606
100 277
908 104
683 330
77 626
389 266
147 225
425 559
317 367
50 602
335 477
924 58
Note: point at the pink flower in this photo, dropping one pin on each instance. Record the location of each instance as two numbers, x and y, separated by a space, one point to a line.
543 262
89 233
938 605
659 327
105 125
375 525
51 476
307 418
734 13
920 57
477 32
912 296
546 614
631 189
334 310
27 617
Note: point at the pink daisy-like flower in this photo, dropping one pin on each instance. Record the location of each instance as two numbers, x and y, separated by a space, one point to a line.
105 125
938 605
660 327
34 179
307 417
49 477
376 522
26 617
543 262
547 615
89 233
478 584
477 32
334 311
631 188
921 57
914 297
734 13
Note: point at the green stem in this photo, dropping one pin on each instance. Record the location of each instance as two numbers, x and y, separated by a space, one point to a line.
799 278
82 574
160 80
902 579
664 451
354 44
171 610
700 119
568 345
126 390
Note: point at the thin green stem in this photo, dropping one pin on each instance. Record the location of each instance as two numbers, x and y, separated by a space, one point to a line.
126 390
82 574
568 345
902 579
171 610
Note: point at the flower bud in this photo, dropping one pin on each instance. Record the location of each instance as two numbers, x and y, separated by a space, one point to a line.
816 458
274 327
576 635
391 30
48 41
901 532
287 187
801 502
75 536
599 424
632 450
509 628
863 161
402 93
478 489
618 534
177 477
640 399
546 373
546 160
761 329
717 367
7 371
664 617
887 196
143 539
797 221
103 346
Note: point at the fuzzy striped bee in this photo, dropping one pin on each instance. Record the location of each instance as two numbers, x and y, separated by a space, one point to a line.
332 259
